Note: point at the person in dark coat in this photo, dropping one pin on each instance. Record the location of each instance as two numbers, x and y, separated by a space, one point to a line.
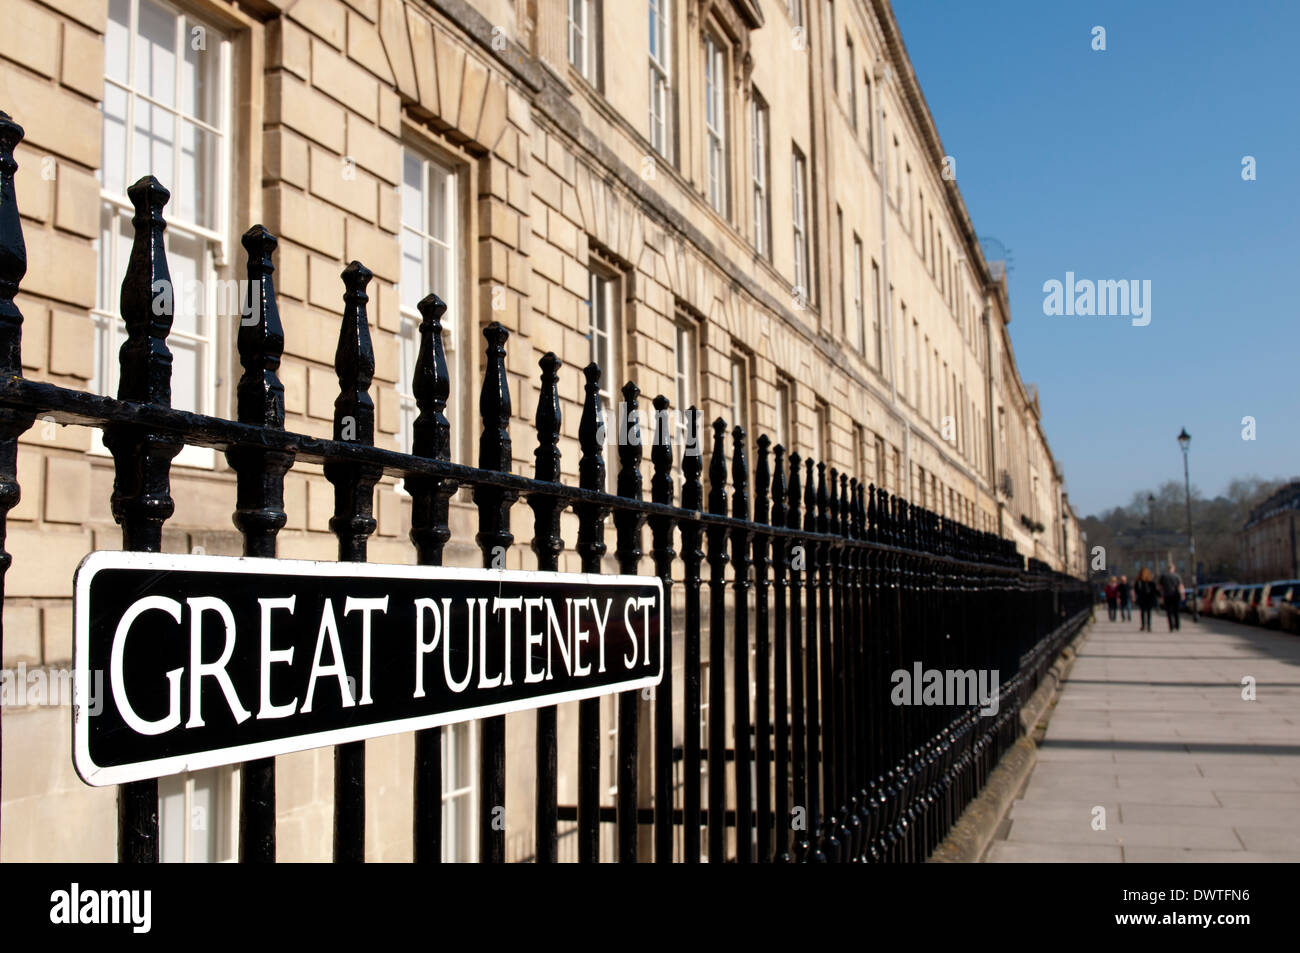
1146 593
1171 590
1112 597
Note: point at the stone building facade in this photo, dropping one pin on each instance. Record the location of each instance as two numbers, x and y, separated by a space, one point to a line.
1268 538
741 204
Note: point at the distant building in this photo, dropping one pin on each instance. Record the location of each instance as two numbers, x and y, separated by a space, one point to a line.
1268 538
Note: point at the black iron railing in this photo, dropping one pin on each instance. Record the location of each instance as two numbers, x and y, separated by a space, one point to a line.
849 586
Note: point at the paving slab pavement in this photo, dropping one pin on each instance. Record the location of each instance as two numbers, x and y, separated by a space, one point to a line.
1153 729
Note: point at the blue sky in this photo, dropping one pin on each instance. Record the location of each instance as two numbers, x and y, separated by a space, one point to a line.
1123 164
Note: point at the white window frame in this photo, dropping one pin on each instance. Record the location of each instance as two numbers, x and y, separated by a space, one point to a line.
871 124
852 86
760 123
823 435
783 406
605 325
795 9
715 123
409 335
877 316
109 329
739 390
223 816
859 311
468 794
799 223
686 357
660 75
583 38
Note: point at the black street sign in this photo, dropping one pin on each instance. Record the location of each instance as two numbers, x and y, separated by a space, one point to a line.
186 662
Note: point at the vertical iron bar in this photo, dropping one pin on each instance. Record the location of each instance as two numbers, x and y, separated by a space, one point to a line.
547 545
831 840
717 649
142 499
797 823
661 532
811 690
762 658
259 506
740 649
494 540
628 550
782 663
692 558
591 548
851 828
353 523
430 505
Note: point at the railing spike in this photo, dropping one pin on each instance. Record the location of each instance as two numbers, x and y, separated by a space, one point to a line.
431 385
260 341
591 434
629 449
692 463
494 403
794 494
778 485
661 454
739 475
547 453
718 469
354 361
148 301
809 497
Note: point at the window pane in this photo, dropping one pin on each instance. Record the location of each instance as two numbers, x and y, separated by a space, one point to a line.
412 278
117 40
155 53
196 190
413 191
203 818
439 207
114 164
172 823
440 271
186 261
155 137
201 74
188 377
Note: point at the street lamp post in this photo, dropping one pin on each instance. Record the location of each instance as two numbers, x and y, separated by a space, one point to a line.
1151 525
1185 441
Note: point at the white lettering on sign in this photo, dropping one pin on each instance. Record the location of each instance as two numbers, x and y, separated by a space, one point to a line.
116 681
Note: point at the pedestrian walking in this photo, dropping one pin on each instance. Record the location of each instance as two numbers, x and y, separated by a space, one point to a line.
1124 594
1146 593
1112 597
1171 590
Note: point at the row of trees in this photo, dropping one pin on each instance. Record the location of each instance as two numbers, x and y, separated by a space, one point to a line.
1215 522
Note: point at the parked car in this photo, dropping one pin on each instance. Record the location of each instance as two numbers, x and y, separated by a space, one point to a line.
1219 602
1274 593
1243 607
1207 593
1288 611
